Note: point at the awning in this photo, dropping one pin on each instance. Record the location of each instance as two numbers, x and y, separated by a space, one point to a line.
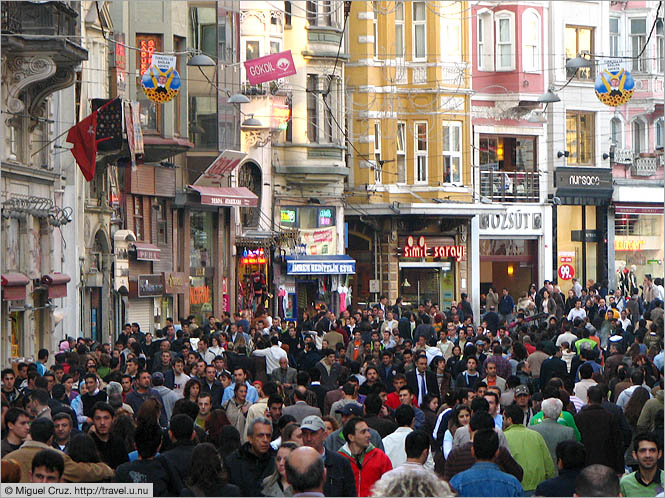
593 197
13 286
335 264
56 283
226 196
146 252
638 208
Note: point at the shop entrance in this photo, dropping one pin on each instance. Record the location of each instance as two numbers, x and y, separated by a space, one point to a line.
422 281
509 263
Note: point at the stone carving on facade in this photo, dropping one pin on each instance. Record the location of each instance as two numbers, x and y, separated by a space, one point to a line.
25 72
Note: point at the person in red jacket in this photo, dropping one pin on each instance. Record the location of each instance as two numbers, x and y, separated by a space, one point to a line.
368 462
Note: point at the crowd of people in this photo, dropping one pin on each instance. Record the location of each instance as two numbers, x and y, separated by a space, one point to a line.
552 396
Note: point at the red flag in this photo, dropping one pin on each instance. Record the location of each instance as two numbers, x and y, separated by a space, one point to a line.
84 138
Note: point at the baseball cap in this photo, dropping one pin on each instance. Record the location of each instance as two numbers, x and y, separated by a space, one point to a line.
521 390
157 375
312 423
351 409
480 342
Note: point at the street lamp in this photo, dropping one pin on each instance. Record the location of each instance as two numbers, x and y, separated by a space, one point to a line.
201 60
251 122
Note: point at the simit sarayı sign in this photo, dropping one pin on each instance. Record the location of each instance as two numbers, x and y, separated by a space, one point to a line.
270 67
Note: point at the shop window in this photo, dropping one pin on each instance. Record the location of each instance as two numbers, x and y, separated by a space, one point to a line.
485 41
138 218
399 30
531 41
201 263
580 137
313 108
505 41
307 218
615 37
401 152
419 18
638 37
579 40
421 152
616 130
452 152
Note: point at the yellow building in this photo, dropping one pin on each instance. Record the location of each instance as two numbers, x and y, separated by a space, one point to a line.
409 194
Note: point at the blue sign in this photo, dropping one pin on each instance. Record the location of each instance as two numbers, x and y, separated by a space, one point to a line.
316 265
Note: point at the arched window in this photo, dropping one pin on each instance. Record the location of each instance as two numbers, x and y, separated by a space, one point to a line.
660 133
250 176
638 136
616 132
531 41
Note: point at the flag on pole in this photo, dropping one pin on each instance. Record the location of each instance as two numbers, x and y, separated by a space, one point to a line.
83 136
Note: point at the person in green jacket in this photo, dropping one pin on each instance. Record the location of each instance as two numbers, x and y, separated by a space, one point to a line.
647 480
566 418
528 448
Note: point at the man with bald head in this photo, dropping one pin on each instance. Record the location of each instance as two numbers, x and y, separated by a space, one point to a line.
305 472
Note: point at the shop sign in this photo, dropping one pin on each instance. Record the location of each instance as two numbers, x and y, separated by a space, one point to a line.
614 85
253 257
419 249
161 81
120 65
287 215
513 220
199 294
319 241
566 256
325 217
589 184
150 285
566 272
270 67
225 163
175 283
622 243
320 268
584 235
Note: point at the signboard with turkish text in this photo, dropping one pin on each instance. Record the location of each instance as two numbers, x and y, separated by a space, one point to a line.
175 283
417 247
270 67
514 221
161 82
320 268
150 285
225 163
319 240
614 84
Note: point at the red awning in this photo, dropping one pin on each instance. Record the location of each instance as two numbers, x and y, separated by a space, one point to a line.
226 196
56 283
638 208
13 286
146 252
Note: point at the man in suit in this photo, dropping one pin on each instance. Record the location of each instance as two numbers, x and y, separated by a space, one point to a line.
422 381
301 409
284 375
213 386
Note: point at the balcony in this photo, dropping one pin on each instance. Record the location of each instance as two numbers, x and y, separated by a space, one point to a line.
510 186
646 166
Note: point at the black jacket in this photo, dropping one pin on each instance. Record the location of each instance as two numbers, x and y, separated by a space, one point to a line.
599 430
113 451
561 485
553 367
247 470
340 480
404 328
430 381
181 458
159 472
216 392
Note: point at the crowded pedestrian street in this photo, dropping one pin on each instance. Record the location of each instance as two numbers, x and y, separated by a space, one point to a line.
332 248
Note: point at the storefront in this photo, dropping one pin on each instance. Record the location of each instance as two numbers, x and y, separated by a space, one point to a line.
428 269
13 298
512 244
315 280
253 277
638 241
583 196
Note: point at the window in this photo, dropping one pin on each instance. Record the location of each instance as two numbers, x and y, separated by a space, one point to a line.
162 213
138 217
531 41
660 130
375 28
660 45
616 129
505 41
287 13
638 136
485 42
326 15
289 124
580 137
312 108
328 115
203 122
399 30
452 152
451 31
421 153
274 47
615 37
638 36
579 40
252 49
378 164
419 31
311 12
401 152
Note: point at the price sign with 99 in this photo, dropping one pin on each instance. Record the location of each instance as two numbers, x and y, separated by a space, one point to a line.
566 272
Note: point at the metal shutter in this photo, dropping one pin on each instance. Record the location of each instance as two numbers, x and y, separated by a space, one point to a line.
141 311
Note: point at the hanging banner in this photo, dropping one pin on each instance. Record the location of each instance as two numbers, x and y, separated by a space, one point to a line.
270 67
318 241
161 82
614 84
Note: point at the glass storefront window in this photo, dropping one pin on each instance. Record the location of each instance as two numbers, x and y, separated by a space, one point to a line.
420 284
638 244
201 262
307 217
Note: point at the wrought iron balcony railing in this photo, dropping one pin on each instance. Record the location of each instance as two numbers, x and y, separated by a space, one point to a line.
510 186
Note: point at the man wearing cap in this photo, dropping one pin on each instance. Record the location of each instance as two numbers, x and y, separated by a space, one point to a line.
522 399
336 440
339 474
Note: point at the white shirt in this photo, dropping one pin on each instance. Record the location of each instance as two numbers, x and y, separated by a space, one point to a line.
179 382
625 323
576 313
272 356
393 446
568 337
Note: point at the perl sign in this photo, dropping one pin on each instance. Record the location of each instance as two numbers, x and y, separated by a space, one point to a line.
422 250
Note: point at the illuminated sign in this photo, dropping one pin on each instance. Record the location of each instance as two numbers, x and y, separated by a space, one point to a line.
199 295
325 217
628 244
422 250
287 215
147 46
253 257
